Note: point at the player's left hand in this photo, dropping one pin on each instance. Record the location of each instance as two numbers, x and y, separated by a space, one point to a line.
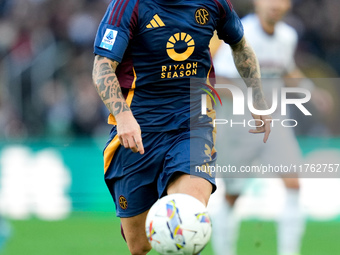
263 125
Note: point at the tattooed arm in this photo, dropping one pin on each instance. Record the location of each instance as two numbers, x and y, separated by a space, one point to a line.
107 85
248 67
108 88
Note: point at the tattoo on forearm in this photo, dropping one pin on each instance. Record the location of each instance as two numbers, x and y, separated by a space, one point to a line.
245 60
248 67
107 85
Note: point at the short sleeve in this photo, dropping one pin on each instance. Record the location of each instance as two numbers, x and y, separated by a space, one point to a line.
116 29
230 28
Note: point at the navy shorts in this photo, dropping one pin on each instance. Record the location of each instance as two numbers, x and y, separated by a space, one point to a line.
136 181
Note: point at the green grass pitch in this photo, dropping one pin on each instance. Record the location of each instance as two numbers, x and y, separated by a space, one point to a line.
99 233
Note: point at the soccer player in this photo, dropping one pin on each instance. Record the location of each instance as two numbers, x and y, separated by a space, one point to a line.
147 52
274 43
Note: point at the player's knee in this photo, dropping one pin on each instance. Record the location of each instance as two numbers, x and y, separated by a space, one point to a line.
196 187
139 249
291 183
231 199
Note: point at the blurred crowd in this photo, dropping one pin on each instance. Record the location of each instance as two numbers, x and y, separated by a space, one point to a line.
46 61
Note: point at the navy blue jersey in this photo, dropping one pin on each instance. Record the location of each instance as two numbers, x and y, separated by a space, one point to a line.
161 45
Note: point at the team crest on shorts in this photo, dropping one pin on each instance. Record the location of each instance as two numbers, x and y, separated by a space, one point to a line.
123 202
202 16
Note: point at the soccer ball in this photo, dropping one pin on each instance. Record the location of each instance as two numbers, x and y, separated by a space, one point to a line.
178 224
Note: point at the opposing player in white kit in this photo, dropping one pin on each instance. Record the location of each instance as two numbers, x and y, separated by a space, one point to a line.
274 43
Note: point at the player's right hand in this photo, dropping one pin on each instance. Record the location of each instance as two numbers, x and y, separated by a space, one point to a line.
129 132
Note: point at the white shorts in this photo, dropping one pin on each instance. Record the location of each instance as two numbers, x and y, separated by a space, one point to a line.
237 148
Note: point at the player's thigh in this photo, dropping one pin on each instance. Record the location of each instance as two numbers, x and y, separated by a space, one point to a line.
236 149
283 152
183 172
282 148
134 231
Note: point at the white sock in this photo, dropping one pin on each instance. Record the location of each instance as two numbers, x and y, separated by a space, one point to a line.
291 225
225 228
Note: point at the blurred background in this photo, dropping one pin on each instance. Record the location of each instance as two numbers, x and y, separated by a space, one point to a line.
53 199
